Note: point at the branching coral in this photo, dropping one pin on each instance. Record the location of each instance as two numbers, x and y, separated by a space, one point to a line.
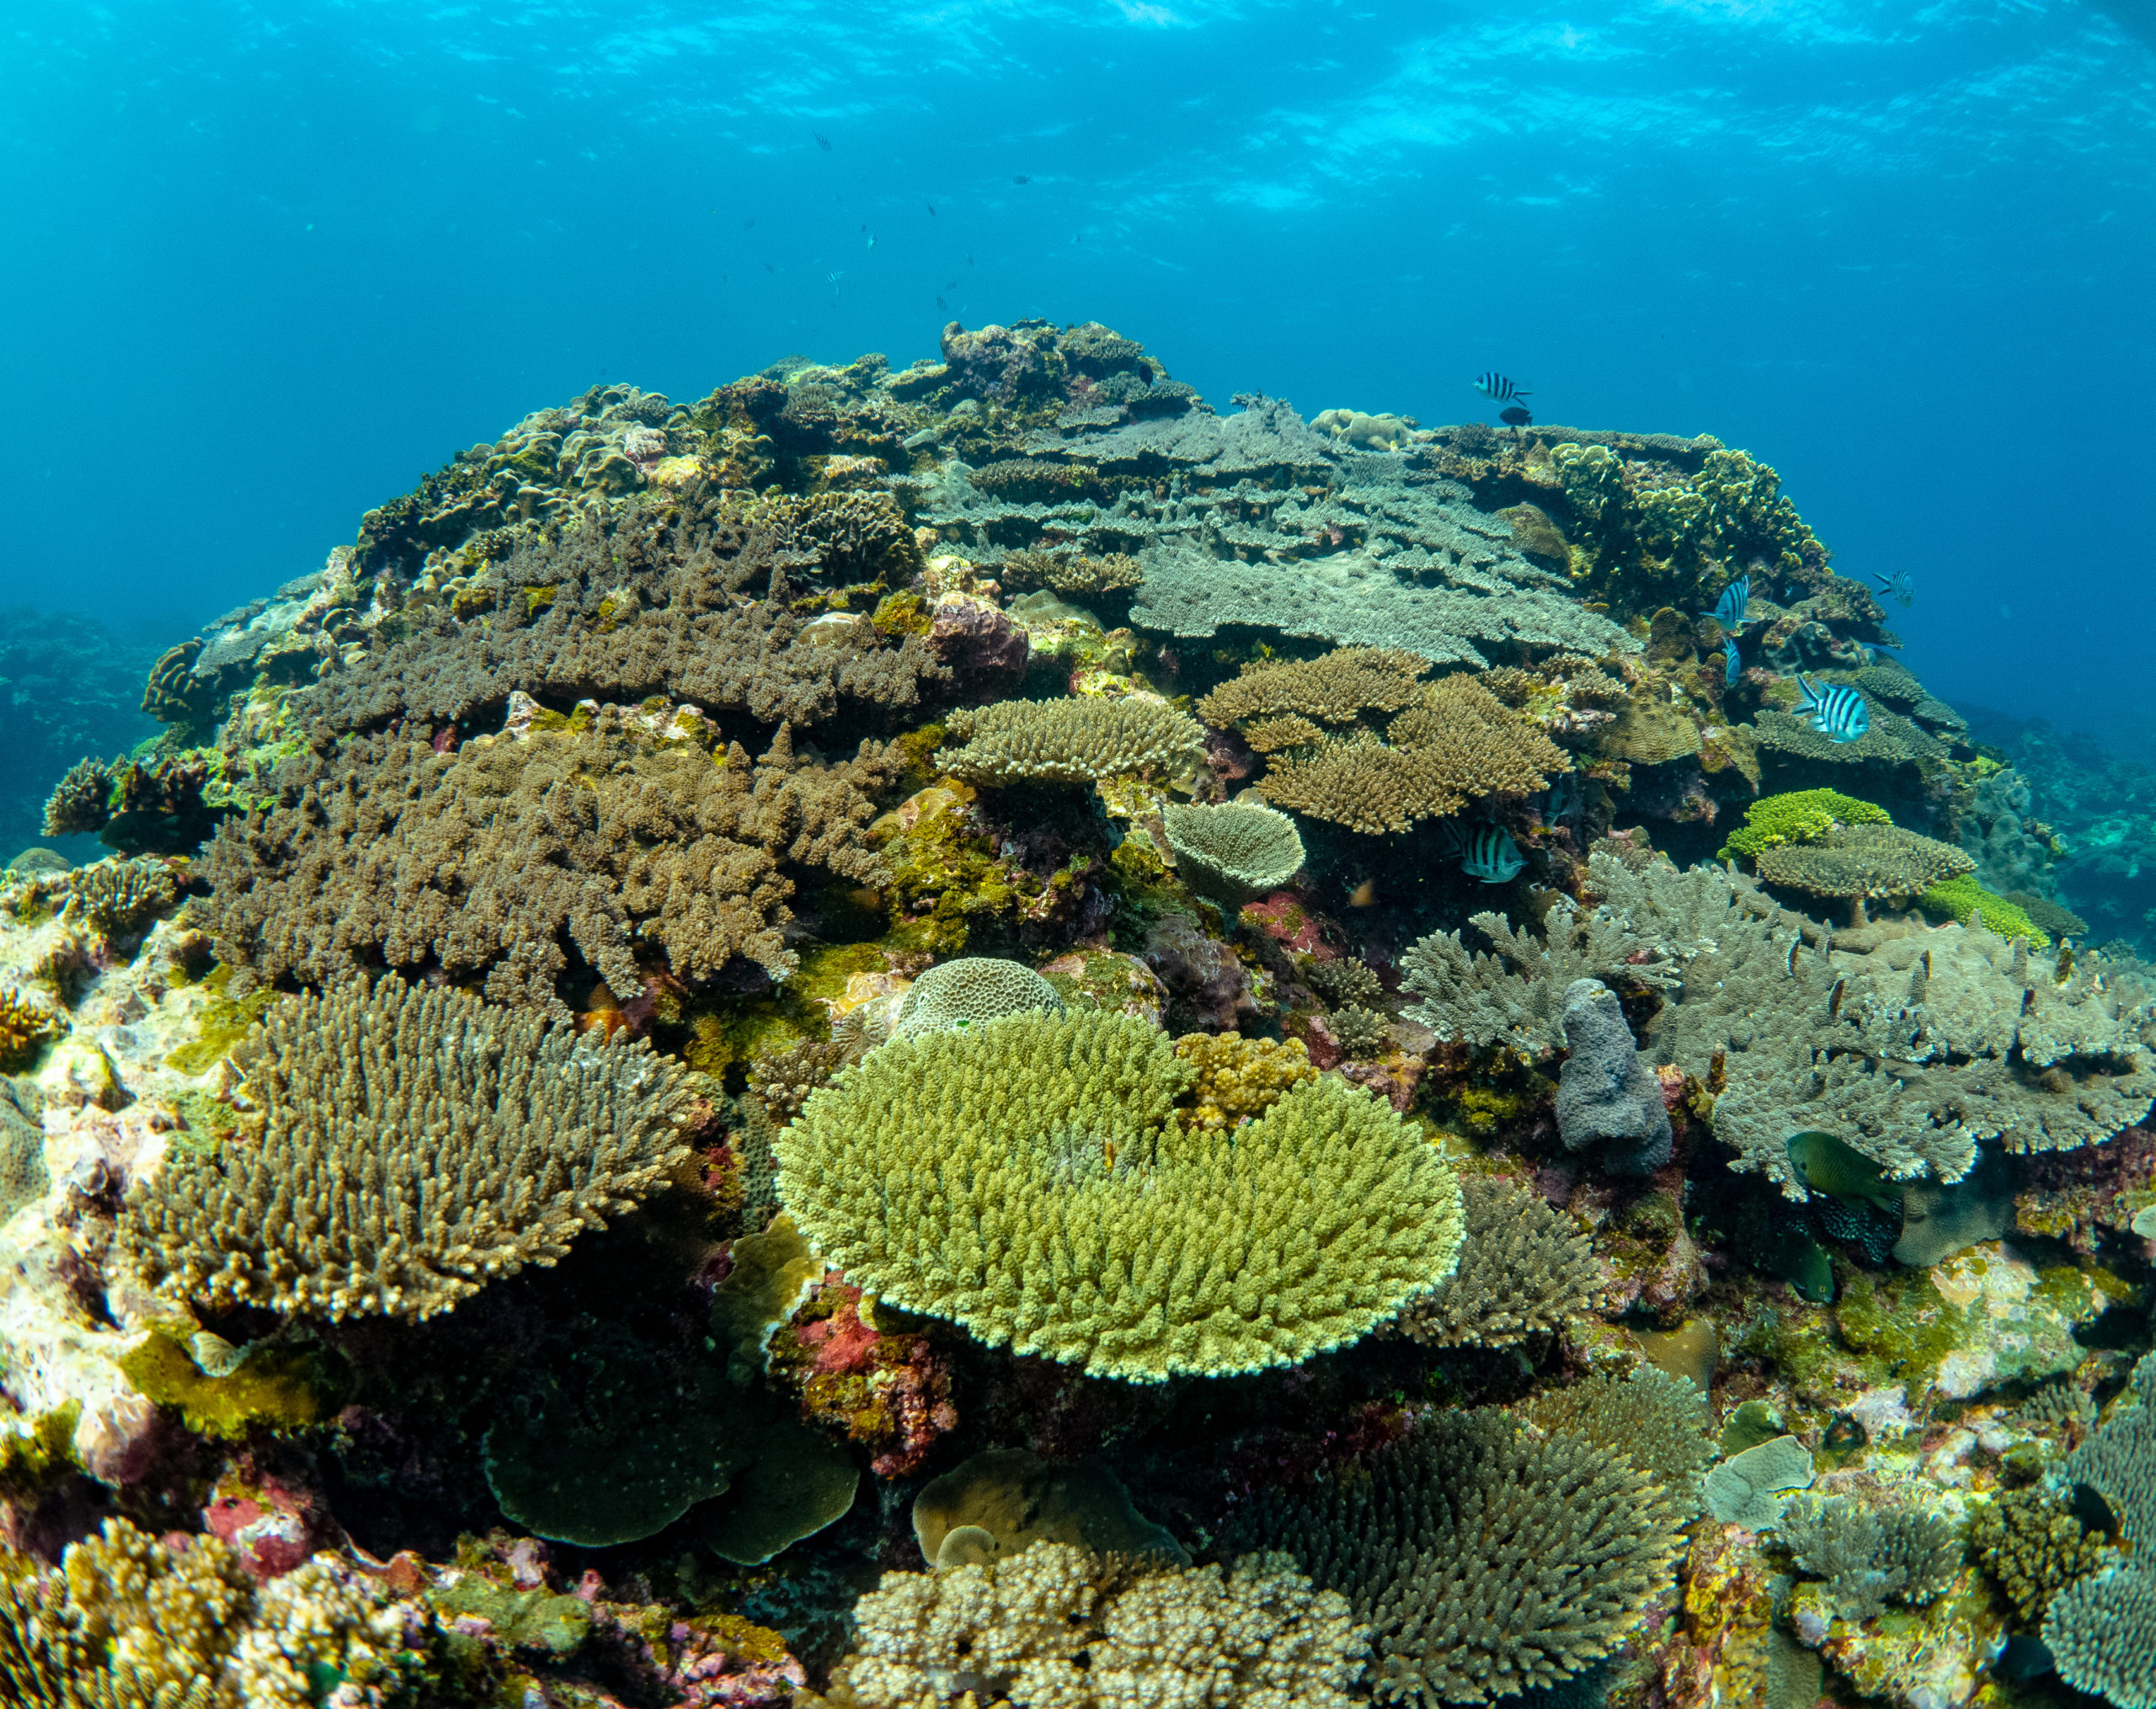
1234 850
1488 1558
1070 741
1863 861
1662 1423
1871 1556
1959 896
80 804
1336 689
118 895
2032 1543
494 862
1799 816
1068 573
25 1024
1523 1271
1239 1078
1055 1628
418 1144
1027 1180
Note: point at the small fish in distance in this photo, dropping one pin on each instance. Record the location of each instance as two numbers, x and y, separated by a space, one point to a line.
1020 177
1498 389
1731 665
931 210
1729 610
823 141
1363 894
1491 856
1837 711
1517 416
1897 587
942 305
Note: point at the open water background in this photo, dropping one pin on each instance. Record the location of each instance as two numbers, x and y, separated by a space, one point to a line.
260 265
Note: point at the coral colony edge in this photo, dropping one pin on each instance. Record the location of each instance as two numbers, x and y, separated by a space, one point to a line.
977 1035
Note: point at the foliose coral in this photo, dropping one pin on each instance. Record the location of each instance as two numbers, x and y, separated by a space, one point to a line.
1524 1270
417 1143
1070 741
1233 851
1487 1557
1027 1180
969 991
1055 1626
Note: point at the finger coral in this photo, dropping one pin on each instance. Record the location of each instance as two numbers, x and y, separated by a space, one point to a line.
1523 1270
1239 1078
1027 1180
1488 1558
1070 741
418 1143
494 862
1056 1626
1234 850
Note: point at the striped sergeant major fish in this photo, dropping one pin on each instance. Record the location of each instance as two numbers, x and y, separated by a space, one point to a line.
1488 854
1729 610
1729 666
1897 587
1837 711
1496 387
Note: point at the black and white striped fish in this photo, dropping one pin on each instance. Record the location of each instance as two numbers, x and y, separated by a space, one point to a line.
1488 854
1897 587
1837 711
1496 387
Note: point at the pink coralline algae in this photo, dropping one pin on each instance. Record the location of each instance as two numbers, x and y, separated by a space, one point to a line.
275 1526
889 1391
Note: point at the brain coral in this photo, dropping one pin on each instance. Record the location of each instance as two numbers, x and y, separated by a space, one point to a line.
1027 1180
971 990
418 1144
1488 1558
1070 741
492 863
1234 850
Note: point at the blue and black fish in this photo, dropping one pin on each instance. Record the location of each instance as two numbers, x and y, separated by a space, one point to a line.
1490 854
1496 387
1837 711
1731 665
1729 610
1897 587
1517 416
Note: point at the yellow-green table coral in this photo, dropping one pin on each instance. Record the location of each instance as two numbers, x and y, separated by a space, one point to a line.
1960 897
1027 1179
1802 815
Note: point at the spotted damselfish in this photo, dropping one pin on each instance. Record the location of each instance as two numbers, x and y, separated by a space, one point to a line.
1491 856
1837 711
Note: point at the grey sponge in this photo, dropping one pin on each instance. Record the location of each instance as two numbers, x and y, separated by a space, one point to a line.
1606 1095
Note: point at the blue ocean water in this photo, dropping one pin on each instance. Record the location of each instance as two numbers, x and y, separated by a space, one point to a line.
264 264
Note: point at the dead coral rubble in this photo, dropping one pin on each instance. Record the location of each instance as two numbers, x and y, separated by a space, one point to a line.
630 832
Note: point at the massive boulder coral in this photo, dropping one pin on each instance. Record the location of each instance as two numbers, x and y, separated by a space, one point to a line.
1027 1180
624 833
417 1144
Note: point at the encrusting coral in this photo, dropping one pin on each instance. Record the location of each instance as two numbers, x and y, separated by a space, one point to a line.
417 1143
1055 1628
494 862
1070 741
1523 1271
1027 1180
1488 1558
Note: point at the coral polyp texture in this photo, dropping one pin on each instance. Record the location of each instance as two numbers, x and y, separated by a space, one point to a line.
417 1144
1523 1271
1070 741
970 990
1027 1179
1236 850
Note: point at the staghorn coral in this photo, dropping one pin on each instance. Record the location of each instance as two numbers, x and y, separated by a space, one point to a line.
1871 1556
2101 1632
1523 1271
1360 1032
1027 1180
970 990
1336 689
1070 741
118 895
1240 1078
1488 1558
1662 1423
1055 1628
1799 816
417 1145
2032 1544
491 863
1863 862
1457 743
1348 979
1066 573
1234 850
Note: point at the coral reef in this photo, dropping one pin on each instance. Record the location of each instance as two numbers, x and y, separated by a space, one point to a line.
534 1135
1027 1180
1235 851
1070 741
1523 1271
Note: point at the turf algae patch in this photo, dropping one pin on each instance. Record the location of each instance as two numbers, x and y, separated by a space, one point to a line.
278 1388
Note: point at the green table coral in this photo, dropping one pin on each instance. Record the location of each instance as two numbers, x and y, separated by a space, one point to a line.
1028 1180
1801 816
1960 897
